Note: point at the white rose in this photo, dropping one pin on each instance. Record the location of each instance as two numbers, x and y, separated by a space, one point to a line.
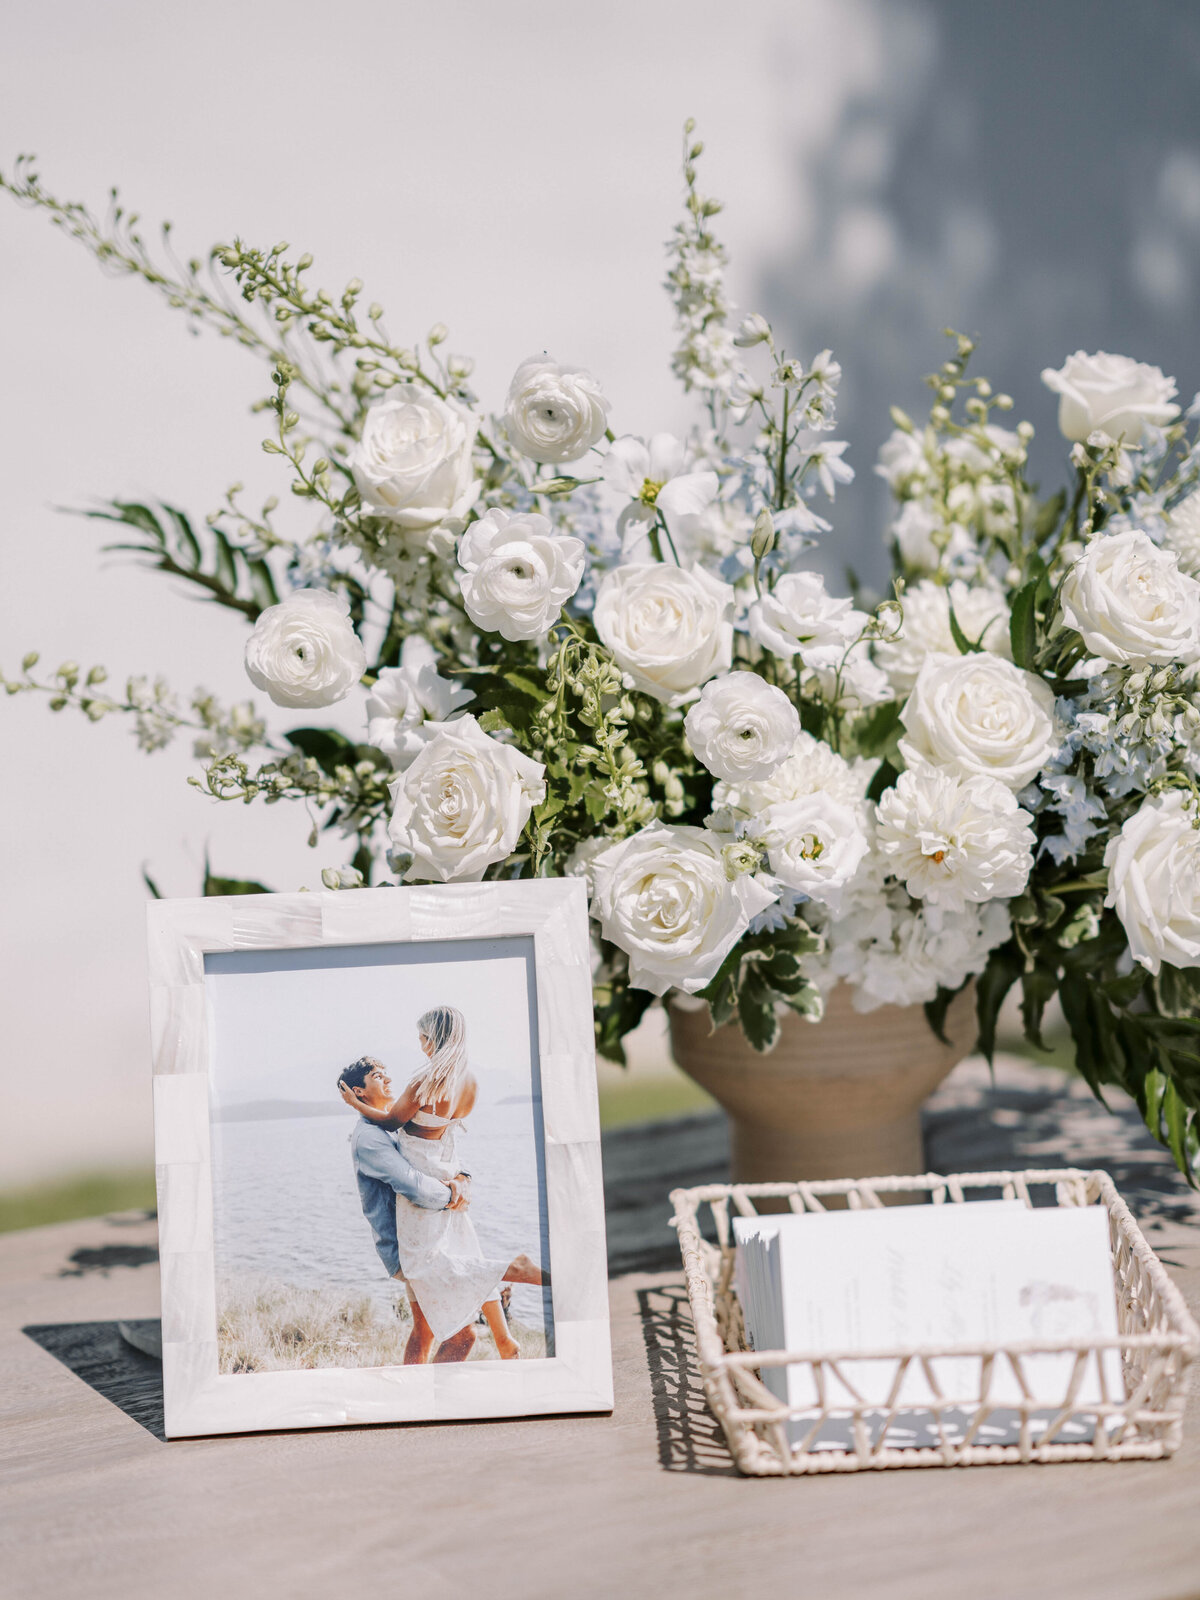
1154 882
669 628
978 714
462 803
814 845
980 611
518 573
954 841
414 464
663 897
812 767
554 413
304 651
407 698
1114 395
1182 536
1130 602
798 618
742 727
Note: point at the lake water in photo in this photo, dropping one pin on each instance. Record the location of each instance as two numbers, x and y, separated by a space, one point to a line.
286 1206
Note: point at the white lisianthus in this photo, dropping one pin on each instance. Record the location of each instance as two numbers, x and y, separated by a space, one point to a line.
1182 536
407 698
798 618
954 841
304 651
979 715
980 611
554 413
462 803
815 845
742 727
1130 603
670 629
517 573
414 464
927 544
1113 395
654 477
812 767
664 897
1154 882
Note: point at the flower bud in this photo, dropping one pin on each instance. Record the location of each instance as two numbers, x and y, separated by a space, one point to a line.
754 330
762 540
438 334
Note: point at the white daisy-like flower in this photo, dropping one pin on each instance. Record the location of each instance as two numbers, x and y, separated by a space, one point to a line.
954 841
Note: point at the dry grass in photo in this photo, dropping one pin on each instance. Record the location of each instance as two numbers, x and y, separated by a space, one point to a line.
273 1327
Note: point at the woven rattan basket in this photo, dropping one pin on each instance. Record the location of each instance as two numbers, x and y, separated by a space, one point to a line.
1158 1338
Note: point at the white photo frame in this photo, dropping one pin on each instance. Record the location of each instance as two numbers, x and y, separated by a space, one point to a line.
577 1377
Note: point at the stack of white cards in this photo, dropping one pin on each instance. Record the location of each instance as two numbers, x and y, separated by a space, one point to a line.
988 1272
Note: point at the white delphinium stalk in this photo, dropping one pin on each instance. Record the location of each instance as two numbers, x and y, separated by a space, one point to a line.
742 727
517 573
954 841
462 803
670 629
407 698
665 897
980 610
656 479
1154 881
979 715
1182 534
414 465
1110 394
304 651
1130 603
554 413
815 845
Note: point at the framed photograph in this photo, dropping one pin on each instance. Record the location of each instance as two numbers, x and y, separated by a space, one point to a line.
378 1157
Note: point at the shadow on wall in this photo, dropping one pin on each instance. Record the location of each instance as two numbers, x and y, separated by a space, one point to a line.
1028 173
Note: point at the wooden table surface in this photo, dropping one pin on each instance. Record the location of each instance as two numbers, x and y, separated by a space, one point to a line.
93 1502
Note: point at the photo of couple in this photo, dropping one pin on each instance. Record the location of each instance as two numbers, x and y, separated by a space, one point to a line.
379 1188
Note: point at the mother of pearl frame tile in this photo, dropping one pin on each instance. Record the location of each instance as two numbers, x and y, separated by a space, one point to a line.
198 1399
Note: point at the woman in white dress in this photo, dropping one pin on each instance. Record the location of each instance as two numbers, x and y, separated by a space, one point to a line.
448 1276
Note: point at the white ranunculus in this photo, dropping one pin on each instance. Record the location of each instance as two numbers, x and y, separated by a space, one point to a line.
1114 395
462 803
954 841
670 629
1182 536
812 767
304 651
554 413
742 727
979 714
980 611
814 845
798 618
1154 882
407 698
414 464
1131 604
663 896
517 573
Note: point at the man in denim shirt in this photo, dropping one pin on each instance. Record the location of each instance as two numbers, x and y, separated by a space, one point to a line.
382 1173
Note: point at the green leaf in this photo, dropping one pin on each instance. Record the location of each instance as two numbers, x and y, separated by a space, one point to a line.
1004 967
226 566
1022 626
1178 992
876 733
756 1014
214 885
961 643
155 891
936 1009
884 779
1048 515
1038 987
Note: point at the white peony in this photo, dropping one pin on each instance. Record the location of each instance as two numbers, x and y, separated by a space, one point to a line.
812 767
407 698
517 573
462 803
414 464
304 651
1113 395
980 611
1131 604
798 618
979 714
953 841
815 845
663 896
670 629
742 727
554 413
654 477
1182 536
1154 882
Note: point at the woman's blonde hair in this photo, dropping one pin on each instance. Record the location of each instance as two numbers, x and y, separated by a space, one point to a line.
447 1067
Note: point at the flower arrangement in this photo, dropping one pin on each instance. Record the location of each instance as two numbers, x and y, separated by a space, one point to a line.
579 651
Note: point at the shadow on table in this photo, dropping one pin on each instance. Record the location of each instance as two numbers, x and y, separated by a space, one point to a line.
689 1437
96 1352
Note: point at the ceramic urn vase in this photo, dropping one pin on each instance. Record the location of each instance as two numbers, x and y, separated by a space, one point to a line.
839 1098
